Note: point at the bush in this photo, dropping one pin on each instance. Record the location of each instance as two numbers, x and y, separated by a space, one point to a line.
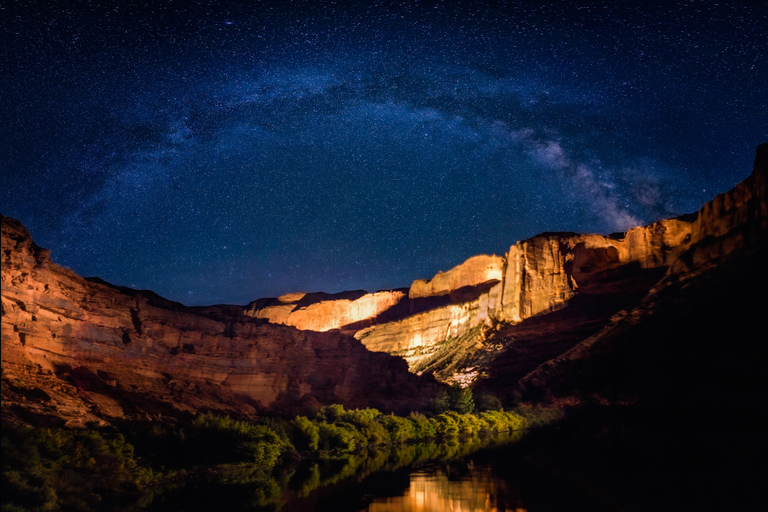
423 428
330 413
461 399
398 428
361 417
221 439
65 469
499 421
445 426
469 424
485 401
456 399
441 404
339 437
305 435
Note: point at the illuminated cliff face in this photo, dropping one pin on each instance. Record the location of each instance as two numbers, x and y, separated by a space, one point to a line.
87 351
317 313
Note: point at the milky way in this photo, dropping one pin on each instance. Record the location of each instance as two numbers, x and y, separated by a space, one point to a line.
222 153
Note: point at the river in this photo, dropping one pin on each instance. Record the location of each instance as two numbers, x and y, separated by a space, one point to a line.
595 462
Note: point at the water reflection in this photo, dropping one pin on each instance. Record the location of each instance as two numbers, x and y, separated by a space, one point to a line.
437 490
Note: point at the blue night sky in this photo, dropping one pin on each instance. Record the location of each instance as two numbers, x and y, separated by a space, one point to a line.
217 152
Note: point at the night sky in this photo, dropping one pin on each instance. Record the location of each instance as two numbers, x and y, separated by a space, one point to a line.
218 153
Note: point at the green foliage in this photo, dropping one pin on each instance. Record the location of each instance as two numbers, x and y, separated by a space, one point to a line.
461 399
441 404
305 435
339 437
366 422
331 413
399 429
361 417
423 428
456 399
539 416
48 469
445 425
221 439
374 432
280 426
485 401
61 469
499 421
469 424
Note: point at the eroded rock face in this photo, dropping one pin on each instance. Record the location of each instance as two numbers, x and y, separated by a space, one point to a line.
322 312
99 352
536 276
476 271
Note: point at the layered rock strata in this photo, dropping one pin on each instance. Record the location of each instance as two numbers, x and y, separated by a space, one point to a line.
537 276
92 351
324 312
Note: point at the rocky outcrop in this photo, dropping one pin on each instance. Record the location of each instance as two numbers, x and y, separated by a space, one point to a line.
96 351
543 273
535 277
476 271
323 312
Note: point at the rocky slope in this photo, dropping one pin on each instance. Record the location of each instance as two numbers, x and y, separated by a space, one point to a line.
696 339
77 350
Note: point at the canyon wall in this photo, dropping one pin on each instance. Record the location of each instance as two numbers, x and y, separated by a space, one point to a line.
704 316
323 312
93 351
536 276
477 270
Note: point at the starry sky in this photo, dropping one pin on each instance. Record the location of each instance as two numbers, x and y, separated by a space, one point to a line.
219 152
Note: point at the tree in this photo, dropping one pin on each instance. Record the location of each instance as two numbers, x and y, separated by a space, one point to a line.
461 399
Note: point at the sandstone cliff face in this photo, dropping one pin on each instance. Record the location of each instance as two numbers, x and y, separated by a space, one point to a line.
319 312
477 270
90 351
536 276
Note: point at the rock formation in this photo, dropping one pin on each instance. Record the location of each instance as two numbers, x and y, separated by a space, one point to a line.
323 312
83 350
695 339
490 294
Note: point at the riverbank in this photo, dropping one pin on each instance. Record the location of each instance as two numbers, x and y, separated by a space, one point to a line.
132 467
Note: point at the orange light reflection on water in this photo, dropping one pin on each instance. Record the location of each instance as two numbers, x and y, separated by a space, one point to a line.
435 492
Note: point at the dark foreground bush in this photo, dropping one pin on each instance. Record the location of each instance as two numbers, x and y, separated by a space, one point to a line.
59 469
220 439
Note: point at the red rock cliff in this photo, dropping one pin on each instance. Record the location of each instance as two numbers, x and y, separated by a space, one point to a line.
323 312
88 350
